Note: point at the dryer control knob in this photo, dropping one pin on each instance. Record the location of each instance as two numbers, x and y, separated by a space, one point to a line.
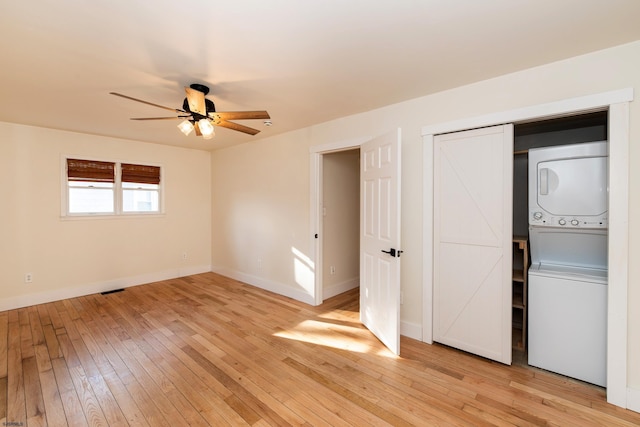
575 222
562 221
537 215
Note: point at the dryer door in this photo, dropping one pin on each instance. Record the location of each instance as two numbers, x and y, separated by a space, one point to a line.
568 186
571 192
573 187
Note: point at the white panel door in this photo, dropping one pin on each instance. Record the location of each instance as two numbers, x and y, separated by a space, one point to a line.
380 239
473 181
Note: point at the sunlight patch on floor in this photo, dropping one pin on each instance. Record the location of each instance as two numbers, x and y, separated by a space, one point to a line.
343 316
334 336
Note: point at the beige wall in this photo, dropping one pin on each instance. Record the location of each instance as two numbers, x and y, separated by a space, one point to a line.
280 167
260 208
79 256
341 221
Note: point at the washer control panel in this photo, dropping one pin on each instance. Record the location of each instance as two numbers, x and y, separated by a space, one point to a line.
544 219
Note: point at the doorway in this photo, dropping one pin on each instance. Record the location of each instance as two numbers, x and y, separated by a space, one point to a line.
340 222
379 230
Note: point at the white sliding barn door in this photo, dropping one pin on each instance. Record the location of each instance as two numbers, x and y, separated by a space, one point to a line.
380 239
473 181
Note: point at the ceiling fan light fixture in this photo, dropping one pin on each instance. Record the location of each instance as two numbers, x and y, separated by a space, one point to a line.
206 128
200 113
186 127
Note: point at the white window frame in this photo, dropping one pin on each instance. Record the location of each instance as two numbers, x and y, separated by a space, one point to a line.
118 193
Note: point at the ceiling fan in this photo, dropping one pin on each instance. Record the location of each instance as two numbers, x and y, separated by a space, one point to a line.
199 114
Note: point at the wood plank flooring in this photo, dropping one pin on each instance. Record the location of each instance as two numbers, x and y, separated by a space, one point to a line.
207 350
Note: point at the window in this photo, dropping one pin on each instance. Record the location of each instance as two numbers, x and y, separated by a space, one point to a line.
140 188
110 188
91 186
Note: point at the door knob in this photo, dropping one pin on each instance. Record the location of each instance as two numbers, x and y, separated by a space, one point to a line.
391 252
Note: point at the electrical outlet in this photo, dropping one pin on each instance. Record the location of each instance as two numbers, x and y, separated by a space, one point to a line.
332 270
184 256
28 278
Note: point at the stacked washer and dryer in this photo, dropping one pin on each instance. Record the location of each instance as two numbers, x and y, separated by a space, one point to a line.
567 301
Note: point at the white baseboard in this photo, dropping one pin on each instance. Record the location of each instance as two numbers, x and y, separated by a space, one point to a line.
633 399
411 330
338 288
266 284
97 287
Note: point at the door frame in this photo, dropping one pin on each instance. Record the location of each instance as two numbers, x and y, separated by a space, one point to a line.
316 166
617 104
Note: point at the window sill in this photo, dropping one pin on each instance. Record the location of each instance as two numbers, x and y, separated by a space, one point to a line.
81 217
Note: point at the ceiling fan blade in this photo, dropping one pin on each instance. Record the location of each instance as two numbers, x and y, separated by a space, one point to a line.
240 115
197 128
196 101
236 126
159 118
148 103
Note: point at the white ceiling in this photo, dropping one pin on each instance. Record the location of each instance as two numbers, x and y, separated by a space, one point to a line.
304 61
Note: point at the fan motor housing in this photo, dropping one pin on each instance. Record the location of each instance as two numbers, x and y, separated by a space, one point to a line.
200 88
209 105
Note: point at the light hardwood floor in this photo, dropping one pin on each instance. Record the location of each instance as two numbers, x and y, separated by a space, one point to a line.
207 350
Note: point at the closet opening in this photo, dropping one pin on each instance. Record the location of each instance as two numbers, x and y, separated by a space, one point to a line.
549 253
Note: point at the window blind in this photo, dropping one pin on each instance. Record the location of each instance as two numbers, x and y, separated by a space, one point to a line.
140 173
90 170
